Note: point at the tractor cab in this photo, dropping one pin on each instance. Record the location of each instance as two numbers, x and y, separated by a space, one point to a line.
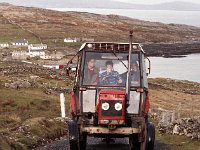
110 95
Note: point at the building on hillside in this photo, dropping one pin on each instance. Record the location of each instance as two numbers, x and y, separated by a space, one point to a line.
20 42
4 45
54 66
87 39
37 46
19 55
71 40
35 53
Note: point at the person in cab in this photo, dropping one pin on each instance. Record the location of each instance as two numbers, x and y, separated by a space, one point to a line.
91 76
110 77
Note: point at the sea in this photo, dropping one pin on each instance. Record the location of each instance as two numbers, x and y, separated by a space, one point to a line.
184 68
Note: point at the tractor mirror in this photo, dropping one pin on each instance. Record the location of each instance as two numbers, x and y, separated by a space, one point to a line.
149 66
71 69
71 66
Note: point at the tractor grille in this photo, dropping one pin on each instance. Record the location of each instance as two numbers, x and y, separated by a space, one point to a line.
111 112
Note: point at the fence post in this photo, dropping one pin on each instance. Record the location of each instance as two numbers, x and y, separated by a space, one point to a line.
192 108
173 116
62 105
179 109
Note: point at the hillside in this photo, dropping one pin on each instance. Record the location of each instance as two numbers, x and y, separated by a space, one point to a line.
52 26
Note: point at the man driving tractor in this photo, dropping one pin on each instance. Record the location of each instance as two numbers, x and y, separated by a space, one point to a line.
110 77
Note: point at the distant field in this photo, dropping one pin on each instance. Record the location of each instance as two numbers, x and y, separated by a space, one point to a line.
181 96
10 32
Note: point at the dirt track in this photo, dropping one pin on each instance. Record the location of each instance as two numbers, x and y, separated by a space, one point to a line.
97 144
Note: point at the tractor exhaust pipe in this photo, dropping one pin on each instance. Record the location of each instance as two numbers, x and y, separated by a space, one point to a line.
128 81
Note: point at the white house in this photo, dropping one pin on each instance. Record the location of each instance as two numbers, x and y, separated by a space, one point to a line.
4 45
54 66
19 54
71 40
46 57
37 46
87 40
34 53
20 42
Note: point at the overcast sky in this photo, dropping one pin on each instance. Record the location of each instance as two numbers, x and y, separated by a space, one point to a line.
156 1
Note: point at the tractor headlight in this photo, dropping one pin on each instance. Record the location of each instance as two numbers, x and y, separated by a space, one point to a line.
105 106
118 106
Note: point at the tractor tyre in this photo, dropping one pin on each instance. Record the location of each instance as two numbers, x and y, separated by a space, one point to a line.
73 135
83 141
134 144
150 136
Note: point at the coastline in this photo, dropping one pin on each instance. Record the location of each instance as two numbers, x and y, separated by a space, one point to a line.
171 50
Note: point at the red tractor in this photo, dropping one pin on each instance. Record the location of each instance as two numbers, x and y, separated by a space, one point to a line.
110 95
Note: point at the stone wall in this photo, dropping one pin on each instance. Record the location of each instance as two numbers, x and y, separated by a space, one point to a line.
189 127
33 69
170 123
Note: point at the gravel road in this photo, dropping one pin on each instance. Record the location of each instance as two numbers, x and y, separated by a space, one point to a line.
97 144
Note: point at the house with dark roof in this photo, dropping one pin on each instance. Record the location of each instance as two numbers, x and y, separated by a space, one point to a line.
20 42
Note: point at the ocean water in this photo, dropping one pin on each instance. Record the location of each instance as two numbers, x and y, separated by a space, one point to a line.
164 16
186 68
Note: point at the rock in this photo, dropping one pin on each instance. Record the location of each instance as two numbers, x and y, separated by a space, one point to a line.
176 129
18 84
190 127
189 135
34 77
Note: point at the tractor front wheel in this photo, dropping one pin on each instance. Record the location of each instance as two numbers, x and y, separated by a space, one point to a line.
77 140
135 143
83 141
150 136
73 135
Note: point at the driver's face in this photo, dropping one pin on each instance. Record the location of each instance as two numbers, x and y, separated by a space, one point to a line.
134 67
109 68
91 64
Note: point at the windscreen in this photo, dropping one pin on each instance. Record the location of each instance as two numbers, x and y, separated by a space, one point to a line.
109 69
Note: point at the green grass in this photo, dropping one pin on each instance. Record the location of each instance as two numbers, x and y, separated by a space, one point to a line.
33 132
29 102
10 32
177 142
33 111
